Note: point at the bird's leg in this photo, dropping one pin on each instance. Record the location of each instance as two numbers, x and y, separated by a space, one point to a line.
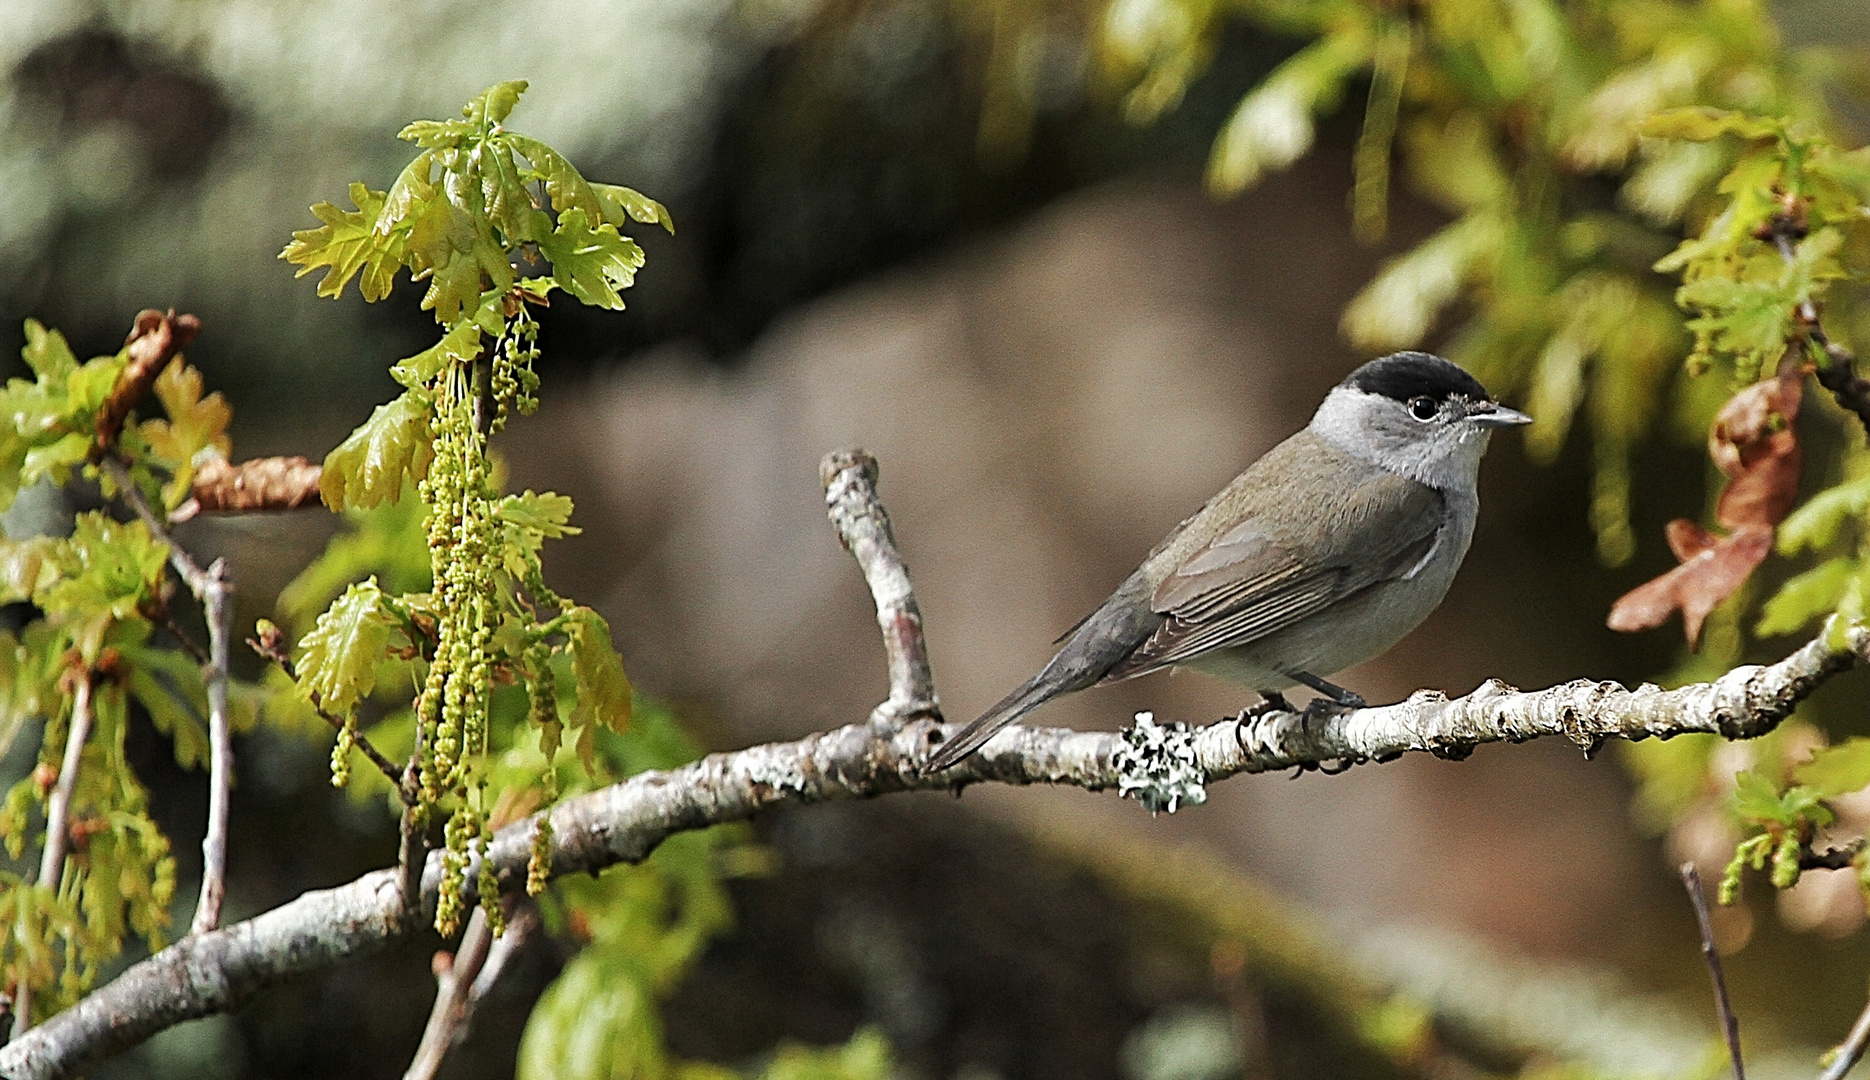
1271 701
1336 697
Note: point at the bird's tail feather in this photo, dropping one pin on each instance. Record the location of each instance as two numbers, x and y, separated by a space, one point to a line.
1011 707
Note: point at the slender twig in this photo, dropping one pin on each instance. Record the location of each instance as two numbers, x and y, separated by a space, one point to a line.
57 820
454 979
275 651
189 645
1851 1050
215 592
1730 1024
218 610
462 981
850 479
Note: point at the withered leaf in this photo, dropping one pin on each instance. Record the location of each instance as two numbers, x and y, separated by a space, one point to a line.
1753 443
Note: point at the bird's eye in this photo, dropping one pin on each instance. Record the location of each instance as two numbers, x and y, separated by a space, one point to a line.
1423 408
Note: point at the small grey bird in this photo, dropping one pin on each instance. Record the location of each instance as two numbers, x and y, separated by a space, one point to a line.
1321 555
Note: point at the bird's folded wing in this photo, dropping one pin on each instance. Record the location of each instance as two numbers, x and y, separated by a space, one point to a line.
1258 577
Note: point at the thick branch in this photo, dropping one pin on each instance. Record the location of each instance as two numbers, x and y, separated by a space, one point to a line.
215 972
850 480
154 340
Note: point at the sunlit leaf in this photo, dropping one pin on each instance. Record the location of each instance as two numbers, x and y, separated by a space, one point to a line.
621 203
591 264
1272 126
345 244
338 661
1805 597
368 467
1837 770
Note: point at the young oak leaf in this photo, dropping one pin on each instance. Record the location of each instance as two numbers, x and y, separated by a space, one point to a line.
196 425
1837 770
368 467
527 521
621 203
604 694
591 264
1754 445
347 243
338 661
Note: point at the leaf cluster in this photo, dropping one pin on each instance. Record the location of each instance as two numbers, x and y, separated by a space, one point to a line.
475 194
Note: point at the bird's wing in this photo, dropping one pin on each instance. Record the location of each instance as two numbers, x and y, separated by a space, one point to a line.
1263 574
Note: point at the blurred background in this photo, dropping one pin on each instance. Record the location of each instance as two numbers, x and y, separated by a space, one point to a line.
1057 345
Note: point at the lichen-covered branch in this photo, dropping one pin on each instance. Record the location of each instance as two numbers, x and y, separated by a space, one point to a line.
1163 765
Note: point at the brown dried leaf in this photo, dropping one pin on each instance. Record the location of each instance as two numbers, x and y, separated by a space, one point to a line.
1754 444
1696 587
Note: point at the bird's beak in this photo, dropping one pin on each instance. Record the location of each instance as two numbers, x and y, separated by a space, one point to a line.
1493 414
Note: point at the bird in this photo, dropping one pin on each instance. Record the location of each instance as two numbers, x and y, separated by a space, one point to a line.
1322 554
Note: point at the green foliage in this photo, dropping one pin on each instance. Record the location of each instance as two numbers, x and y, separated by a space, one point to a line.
368 468
475 200
338 662
1516 118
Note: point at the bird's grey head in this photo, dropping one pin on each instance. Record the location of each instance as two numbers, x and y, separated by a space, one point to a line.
1416 414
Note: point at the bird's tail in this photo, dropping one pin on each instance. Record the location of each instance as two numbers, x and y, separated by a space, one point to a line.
1037 691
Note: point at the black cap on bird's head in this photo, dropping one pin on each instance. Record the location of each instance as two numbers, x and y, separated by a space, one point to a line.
1404 375
1426 385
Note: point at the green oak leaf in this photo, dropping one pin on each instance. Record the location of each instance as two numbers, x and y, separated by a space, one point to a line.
621 203
338 661
591 264
346 244
368 467
1837 770
459 345
604 695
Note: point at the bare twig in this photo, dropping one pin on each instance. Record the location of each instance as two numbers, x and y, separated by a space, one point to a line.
215 972
1730 1024
272 647
262 484
57 819
218 610
153 342
850 481
1851 1050
454 979
462 980
212 589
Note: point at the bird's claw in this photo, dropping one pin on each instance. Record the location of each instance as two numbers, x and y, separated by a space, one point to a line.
1270 702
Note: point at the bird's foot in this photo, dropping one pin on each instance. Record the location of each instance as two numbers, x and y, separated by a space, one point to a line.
1270 702
1348 699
